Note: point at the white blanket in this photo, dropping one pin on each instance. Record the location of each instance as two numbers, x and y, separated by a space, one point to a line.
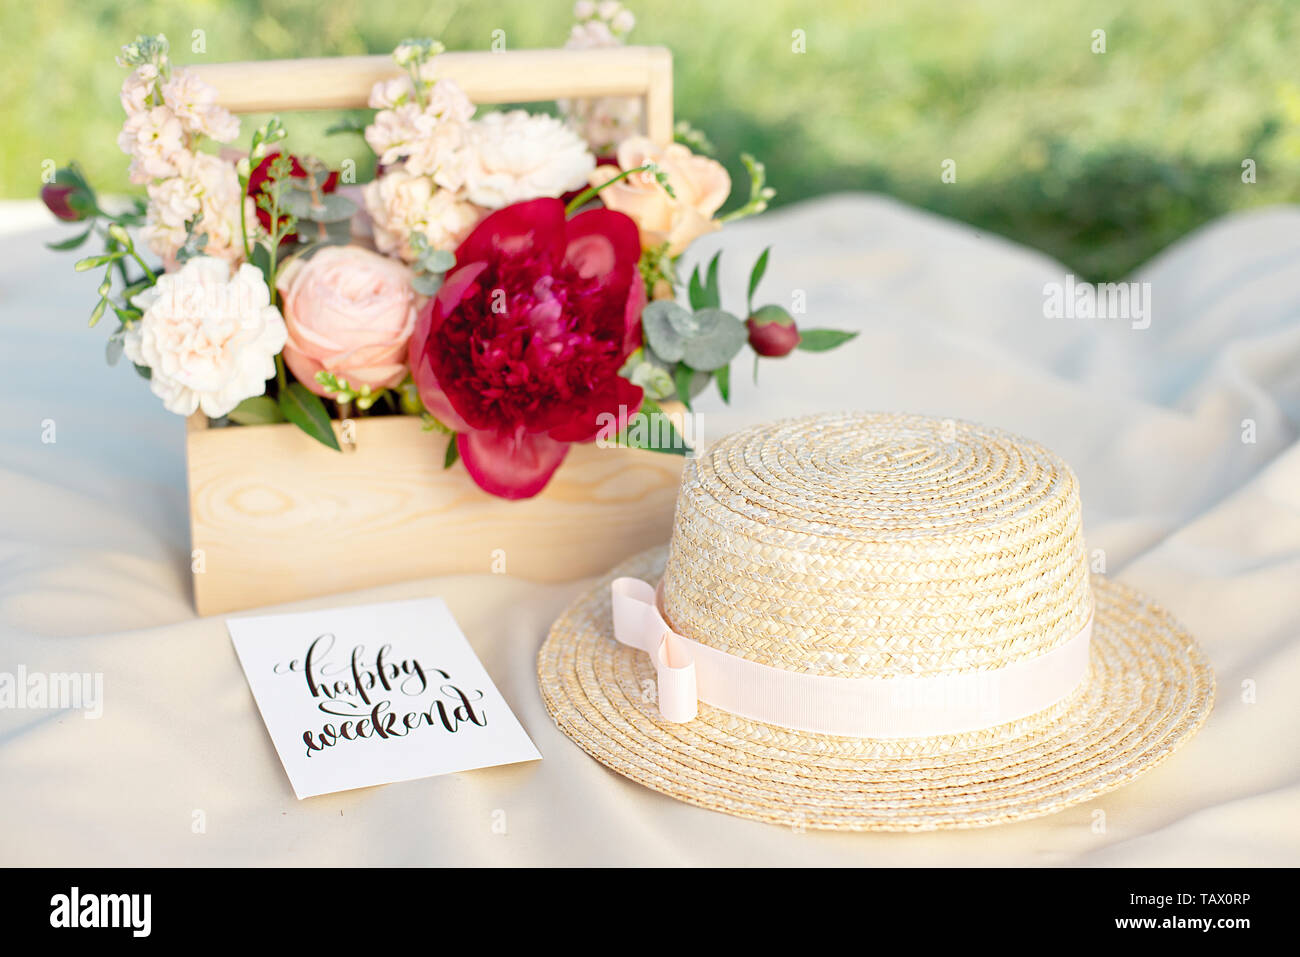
179 769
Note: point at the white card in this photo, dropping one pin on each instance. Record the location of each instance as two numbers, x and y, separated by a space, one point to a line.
374 694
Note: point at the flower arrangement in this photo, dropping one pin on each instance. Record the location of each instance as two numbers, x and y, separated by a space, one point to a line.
510 277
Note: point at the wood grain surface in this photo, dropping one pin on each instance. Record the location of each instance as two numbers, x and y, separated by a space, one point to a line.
275 516
506 76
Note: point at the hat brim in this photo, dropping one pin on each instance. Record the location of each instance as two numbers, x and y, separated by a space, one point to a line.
1149 691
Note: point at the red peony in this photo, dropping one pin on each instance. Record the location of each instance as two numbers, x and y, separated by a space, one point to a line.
262 172
520 349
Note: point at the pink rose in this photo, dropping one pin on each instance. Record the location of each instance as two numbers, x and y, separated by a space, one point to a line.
701 185
349 311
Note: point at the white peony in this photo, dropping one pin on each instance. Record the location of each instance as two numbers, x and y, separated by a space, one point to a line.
208 338
517 156
401 203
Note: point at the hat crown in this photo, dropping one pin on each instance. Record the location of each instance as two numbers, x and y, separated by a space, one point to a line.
875 545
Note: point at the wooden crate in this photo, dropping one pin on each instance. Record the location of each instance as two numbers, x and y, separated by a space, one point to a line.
275 516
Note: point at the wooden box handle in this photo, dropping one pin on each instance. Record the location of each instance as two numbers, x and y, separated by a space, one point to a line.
507 76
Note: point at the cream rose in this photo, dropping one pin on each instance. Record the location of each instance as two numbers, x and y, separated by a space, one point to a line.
701 186
208 338
511 157
349 311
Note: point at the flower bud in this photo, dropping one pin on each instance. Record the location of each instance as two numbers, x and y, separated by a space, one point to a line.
68 197
772 331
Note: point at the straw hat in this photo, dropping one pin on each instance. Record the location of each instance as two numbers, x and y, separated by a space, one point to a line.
874 622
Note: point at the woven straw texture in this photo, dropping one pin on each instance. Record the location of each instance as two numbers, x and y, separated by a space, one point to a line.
878 545
888 545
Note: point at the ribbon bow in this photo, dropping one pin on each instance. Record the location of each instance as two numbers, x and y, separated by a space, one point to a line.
638 624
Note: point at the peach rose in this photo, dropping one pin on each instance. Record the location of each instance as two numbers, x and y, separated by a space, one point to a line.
701 186
349 311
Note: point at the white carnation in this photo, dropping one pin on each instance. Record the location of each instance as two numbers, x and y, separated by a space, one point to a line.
517 156
208 338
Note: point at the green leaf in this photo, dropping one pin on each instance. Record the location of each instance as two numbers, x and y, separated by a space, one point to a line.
452 454
823 340
71 243
712 295
667 327
653 430
304 409
348 124
261 258
756 276
682 376
437 260
723 376
113 349
259 410
695 293
426 284
324 208
645 369
720 337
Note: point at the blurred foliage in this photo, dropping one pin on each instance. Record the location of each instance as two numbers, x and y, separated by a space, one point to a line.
1100 160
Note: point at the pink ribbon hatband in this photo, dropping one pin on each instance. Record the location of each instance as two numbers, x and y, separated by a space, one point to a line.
901 707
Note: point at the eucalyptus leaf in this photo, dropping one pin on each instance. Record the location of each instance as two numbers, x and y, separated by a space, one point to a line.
646 370
113 349
258 410
667 326
437 260
304 409
721 336
823 340
426 284
323 208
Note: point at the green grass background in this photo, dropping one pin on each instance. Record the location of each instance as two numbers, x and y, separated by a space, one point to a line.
1098 159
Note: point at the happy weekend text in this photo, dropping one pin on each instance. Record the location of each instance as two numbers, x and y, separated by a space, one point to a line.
360 690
